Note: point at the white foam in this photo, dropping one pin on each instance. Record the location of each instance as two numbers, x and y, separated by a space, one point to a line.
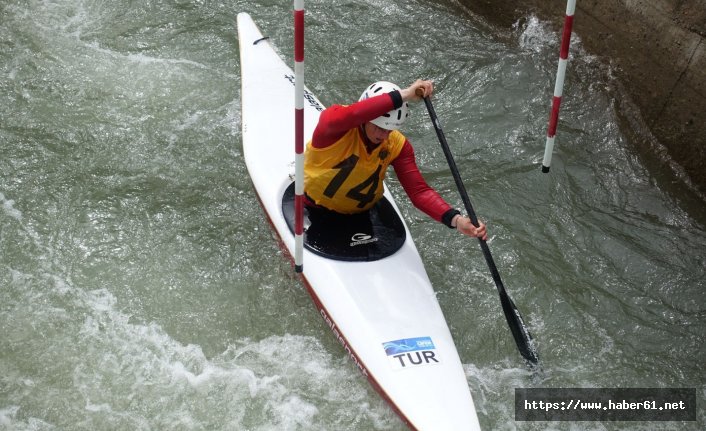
10 421
7 415
536 36
8 207
279 377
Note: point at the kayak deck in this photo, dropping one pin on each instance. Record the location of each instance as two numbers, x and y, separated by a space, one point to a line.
364 237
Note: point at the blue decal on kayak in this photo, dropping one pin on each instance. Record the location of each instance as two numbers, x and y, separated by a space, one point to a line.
408 345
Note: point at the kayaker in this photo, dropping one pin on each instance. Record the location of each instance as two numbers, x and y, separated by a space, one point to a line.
352 147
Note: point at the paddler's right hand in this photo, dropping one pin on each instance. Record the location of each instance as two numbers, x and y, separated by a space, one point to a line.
420 88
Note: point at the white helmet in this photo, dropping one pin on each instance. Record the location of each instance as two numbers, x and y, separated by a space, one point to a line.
394 119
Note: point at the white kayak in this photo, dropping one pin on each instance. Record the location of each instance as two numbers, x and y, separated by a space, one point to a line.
378 303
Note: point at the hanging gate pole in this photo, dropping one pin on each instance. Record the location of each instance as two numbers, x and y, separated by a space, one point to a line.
559 85
299 135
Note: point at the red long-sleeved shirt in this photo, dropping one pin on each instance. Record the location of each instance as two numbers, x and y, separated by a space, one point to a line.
337 120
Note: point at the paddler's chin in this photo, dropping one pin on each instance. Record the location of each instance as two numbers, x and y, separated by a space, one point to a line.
375 134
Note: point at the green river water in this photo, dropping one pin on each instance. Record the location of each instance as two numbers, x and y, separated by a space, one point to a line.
141 287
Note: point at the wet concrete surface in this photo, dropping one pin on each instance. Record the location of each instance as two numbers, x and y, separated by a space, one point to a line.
657 53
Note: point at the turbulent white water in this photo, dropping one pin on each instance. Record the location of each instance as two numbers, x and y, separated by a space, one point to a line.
141 287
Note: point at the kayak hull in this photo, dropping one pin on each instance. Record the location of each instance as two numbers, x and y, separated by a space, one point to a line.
383 312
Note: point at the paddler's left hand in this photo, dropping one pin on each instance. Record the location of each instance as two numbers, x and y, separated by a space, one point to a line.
464 225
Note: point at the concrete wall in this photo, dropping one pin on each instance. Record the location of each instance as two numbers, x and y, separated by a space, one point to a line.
658 49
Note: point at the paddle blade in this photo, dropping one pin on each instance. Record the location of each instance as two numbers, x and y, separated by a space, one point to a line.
523 339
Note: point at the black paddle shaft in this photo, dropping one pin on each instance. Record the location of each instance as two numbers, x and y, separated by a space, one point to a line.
523 339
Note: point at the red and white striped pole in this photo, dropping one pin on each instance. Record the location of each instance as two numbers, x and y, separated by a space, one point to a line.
559 85
299 135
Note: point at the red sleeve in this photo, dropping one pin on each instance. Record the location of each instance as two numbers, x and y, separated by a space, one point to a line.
336 120
420 193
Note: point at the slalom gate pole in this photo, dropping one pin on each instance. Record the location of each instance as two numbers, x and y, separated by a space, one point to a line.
559 84
299 135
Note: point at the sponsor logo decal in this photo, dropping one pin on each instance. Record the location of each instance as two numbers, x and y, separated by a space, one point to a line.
411 352
331 324
361 239
307 95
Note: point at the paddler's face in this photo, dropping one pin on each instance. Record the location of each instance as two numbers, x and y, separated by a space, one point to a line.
376 134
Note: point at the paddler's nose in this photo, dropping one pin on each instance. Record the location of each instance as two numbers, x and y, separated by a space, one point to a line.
381 134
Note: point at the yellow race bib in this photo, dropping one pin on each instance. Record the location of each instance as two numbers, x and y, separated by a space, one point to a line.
343 177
